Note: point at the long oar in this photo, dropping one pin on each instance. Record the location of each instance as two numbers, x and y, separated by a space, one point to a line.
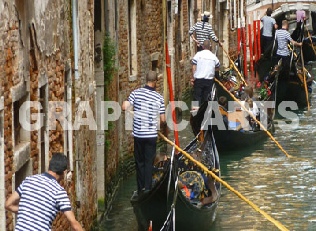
234 66
310 39
304 75
255 119
218 179
304 80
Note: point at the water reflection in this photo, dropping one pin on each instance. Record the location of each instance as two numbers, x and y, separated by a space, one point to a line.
283 187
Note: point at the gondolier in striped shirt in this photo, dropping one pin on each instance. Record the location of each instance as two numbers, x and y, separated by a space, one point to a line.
148 105
283 38
203 30
39 198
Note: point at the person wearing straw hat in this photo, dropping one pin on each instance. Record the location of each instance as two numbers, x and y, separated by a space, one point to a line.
203 30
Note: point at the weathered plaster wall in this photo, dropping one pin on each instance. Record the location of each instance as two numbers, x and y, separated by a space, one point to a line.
85 137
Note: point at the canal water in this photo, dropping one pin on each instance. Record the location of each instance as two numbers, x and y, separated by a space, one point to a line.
283 187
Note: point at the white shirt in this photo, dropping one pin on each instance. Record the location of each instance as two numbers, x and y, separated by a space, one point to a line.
205 62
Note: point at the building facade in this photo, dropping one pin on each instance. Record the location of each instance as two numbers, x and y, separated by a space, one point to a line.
47 85
55 78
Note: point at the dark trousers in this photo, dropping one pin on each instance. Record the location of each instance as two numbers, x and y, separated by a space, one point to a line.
144 154
285 64
202 88
199 48
266 43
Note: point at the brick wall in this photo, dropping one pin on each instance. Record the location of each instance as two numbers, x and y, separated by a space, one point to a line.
37 45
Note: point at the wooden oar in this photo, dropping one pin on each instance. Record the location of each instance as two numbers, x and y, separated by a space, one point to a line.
234 66
304 75
254 118
304 80
218 179
310 39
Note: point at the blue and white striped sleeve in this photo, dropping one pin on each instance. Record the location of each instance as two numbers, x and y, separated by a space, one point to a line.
162 106
62 201
131 98
192 29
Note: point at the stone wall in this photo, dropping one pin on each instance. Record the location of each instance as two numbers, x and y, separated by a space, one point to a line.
36 46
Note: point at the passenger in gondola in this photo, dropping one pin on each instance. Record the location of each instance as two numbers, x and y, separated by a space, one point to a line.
283 38
222 103
253 113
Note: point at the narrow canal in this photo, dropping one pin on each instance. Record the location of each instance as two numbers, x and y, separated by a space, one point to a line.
283 187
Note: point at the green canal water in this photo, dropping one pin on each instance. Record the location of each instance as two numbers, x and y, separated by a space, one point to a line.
283 187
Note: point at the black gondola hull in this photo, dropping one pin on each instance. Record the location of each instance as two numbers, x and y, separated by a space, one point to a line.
229 140
156 205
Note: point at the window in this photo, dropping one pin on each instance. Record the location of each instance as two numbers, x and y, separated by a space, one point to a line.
132 38
19 133
42 131
22 173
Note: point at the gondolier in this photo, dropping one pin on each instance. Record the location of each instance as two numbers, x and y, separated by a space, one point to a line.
39 198
205 67
203 30
283 38
148 105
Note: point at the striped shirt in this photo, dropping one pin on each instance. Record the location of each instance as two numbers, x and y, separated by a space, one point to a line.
41 197
148 104
268 24
205 62
203 34
283 37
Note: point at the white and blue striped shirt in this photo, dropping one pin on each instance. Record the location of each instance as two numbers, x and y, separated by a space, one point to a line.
283 37
41 197
148 104
203 32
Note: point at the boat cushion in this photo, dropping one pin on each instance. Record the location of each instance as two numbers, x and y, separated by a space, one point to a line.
192 184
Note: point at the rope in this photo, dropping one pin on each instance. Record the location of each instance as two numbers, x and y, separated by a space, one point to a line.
255 207
255 119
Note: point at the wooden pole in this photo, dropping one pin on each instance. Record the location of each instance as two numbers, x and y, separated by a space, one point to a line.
174 119
254 37
258 36
250 48
244 41
238 36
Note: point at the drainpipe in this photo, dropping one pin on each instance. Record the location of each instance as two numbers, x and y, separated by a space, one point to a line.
74 6
235 14
70 133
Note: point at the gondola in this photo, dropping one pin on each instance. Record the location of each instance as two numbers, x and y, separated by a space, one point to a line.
229 140
179 186
290 83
